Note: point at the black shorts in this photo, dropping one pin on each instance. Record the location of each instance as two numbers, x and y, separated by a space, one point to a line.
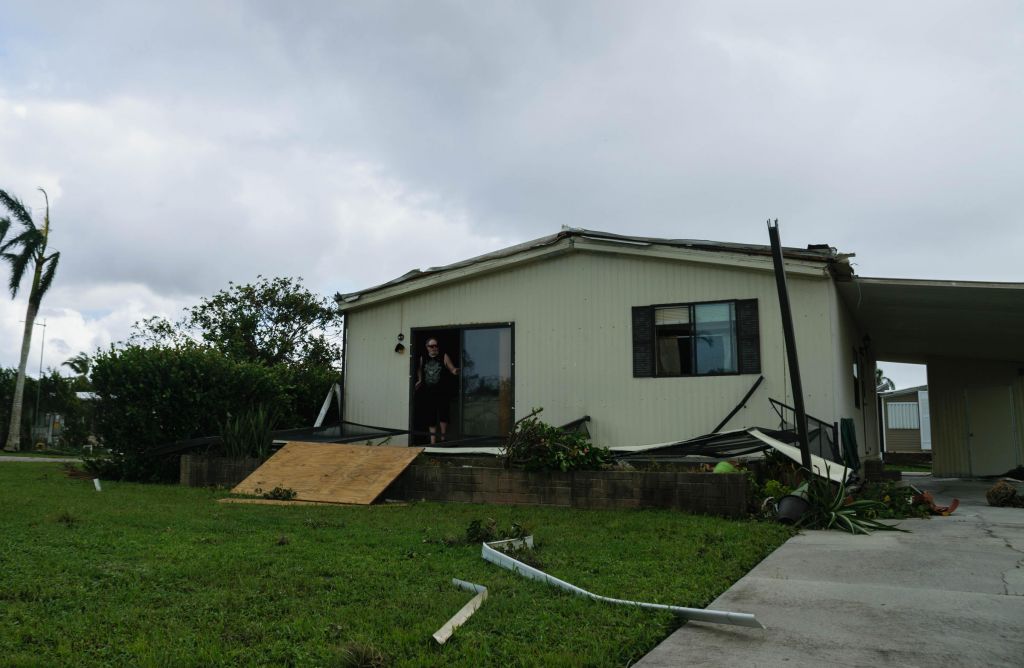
436 406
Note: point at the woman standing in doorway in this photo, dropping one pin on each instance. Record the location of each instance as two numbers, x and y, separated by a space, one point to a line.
430 374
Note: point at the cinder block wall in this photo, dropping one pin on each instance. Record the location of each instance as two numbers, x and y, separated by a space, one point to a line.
722 494
202 471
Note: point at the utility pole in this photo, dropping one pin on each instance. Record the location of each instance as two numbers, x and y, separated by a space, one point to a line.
787 328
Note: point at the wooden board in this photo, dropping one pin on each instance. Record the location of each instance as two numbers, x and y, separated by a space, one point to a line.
330 473
272 502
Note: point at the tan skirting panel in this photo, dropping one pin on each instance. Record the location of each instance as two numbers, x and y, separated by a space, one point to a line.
330 473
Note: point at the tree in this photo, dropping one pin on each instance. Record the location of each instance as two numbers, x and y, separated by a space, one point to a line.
24 250
883 384
80 364
271 321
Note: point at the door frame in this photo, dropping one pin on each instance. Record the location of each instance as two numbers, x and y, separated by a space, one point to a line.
973 420
510 325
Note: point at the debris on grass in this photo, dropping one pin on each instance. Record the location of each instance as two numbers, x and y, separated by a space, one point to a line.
67 519
445 632
502 558
277 494
75 473
362 655
487 531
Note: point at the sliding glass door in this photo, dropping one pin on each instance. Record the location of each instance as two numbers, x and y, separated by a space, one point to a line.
486 392
480 400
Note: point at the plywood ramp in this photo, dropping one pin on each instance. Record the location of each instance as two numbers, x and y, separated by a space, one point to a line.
330 473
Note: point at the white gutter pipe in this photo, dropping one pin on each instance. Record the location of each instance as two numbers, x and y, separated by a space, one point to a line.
690 614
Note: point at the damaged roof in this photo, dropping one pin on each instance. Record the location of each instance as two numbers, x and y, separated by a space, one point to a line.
819 253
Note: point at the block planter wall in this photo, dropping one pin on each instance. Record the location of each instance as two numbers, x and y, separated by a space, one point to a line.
203 471
722 494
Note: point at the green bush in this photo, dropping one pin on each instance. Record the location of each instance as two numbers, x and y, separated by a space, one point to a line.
150 396
538 446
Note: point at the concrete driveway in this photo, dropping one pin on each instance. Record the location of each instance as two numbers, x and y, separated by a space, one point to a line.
951 593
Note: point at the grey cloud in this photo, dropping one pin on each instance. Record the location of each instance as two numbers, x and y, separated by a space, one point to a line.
196 143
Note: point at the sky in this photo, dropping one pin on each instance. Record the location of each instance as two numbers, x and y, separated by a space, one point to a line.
187 144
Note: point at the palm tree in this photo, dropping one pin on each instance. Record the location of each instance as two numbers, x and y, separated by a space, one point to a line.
80 364
883 384
20 251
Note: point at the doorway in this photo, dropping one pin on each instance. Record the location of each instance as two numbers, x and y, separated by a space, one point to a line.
990 422
480 400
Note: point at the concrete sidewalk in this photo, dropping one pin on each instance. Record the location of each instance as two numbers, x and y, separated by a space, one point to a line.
951 593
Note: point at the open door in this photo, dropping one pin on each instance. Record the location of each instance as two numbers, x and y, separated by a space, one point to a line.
480 400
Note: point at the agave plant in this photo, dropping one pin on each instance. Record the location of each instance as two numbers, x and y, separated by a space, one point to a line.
831 508
248 434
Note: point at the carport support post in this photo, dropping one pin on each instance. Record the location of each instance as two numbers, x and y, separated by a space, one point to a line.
787 328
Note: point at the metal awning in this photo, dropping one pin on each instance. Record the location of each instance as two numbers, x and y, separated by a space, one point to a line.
914 320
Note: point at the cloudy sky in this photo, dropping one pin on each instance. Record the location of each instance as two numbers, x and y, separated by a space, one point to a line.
185 144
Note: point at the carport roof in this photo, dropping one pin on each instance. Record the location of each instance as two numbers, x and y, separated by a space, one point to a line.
914 320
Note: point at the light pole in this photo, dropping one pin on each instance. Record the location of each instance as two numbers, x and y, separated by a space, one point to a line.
42 348
39 383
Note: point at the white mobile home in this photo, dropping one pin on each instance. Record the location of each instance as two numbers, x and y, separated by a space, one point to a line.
655 339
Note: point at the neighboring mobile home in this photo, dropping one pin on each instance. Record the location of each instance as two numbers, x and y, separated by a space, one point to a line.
658 339
905 420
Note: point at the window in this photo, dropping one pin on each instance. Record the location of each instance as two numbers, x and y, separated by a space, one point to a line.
704 339
903 415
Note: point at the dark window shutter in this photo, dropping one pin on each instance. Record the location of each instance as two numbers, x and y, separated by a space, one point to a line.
643 341
748 336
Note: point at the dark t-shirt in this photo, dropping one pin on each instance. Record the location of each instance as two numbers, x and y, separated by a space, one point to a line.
433 371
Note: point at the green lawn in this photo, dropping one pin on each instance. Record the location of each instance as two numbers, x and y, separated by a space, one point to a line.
145 575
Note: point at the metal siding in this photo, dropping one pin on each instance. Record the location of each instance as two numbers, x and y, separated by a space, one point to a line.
573 341
947 381
845 337
903 415
903 440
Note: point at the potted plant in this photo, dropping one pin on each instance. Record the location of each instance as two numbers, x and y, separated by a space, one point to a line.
793 506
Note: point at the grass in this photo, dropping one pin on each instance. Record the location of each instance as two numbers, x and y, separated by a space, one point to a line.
145 575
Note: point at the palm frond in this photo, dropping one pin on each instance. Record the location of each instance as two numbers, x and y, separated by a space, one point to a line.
80 363
17 209
29 240
49 269
19 262
5 224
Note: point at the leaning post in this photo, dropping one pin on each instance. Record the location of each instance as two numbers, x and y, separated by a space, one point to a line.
787 328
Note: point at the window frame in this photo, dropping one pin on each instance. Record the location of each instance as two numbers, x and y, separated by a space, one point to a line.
693 323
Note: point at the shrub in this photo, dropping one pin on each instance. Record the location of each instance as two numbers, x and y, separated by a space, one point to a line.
537 446
248 434
150 396
831 508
